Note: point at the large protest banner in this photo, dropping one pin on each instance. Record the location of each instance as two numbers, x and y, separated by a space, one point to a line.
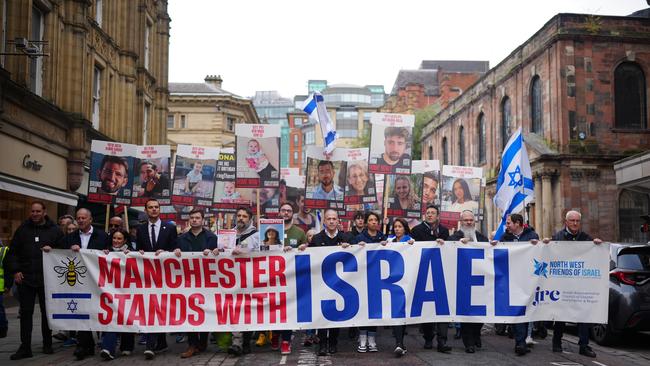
391 143
327 287
111 172
151 178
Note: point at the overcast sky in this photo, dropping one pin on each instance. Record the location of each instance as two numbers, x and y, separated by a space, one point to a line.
279 45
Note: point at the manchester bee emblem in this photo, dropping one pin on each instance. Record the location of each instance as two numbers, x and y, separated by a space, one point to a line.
71 272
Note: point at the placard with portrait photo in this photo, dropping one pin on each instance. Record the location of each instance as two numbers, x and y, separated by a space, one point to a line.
271 234
430 172
111 172
461 190
194 173
391 141
403 196
325 179
152 178
359 184
258 155
227 197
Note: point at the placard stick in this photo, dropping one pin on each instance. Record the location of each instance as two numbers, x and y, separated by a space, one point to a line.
386 193
126 218
108 214
258 208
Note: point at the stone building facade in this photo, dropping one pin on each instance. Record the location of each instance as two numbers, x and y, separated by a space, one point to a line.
72 71
578 90
204 114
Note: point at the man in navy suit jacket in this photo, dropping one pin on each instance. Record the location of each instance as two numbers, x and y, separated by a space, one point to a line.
87 237
155 236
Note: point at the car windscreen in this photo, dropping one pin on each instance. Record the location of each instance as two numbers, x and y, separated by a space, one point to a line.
634 258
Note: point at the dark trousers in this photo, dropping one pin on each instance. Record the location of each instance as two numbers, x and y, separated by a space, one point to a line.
583 333
156 340
398 332
520 331
471 333
86 341
441 331
109 341
332 339
198 339
27 298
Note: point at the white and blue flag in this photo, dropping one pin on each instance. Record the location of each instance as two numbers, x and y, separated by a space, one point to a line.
314 106
515 182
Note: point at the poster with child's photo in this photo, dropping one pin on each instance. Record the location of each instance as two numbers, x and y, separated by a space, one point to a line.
271 234
152 177
258 156
461 190
227 197
194 174
391 142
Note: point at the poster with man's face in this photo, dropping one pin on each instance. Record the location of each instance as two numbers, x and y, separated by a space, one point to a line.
258 156
325 179
429 170
152 175
194 174
391 141
111 172
403 196
460 191
227 197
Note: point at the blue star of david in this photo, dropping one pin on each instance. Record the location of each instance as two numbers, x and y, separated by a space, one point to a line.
72 306
516 179
540 268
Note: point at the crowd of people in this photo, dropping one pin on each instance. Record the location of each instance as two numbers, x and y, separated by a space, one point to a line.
23 265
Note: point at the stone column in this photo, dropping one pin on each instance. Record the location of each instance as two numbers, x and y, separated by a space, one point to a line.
547 205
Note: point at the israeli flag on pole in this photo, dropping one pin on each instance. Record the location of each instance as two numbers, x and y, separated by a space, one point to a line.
515 187
314 106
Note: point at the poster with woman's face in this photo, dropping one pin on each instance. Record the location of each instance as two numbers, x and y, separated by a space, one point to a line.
152 177
359 184
258 156
325 179
461 190
391 141
271 234
111 172
194 174
430 172
403 196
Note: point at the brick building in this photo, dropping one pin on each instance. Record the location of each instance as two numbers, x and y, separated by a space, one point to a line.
578 89
435 82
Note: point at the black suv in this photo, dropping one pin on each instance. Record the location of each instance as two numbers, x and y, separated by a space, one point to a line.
629 293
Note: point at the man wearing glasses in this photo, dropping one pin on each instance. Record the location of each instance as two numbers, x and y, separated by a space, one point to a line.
293 235
113 174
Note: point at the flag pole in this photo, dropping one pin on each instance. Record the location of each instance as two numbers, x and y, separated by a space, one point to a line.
108 214
386 193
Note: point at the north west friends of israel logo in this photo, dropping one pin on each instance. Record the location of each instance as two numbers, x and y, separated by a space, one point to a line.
541 268
72 271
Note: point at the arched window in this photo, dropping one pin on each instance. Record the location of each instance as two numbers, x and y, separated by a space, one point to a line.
630 99
481 138
536 105
445 157
505 121
430 152
461 146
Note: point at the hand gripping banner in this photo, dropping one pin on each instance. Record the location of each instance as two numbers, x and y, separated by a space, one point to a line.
327 287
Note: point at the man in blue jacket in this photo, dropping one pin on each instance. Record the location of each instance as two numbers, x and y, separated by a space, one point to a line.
197 239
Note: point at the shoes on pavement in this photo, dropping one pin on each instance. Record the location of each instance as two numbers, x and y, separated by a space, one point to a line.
70 342
149 354
191 351
308 340
261 340
478 343
105 354
60 336
126 353
235 350
400 350
587 351
457 335
470 349
160 348
557 348
246 348
530 341
521 350
285 348
332 349
443 348
372 344
180 338
20 354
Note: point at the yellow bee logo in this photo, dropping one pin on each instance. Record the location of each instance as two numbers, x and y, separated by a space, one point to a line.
71 271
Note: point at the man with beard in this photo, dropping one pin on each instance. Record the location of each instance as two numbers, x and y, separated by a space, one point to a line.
431 230
304 218
429 189
395 142
293 235
25 262
470 332
326 189
153 182
113 174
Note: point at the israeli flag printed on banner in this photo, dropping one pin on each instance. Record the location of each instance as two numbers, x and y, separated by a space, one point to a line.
314 106
515 186
71 306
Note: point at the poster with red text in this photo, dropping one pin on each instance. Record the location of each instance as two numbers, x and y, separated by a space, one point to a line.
391 143
461 190
258 156
194 174
111 172
430 172
152 178
325 179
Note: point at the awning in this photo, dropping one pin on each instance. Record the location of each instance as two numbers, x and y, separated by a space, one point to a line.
634 172
20 186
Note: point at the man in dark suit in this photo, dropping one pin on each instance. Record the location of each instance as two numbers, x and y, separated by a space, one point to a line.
86 237
155 236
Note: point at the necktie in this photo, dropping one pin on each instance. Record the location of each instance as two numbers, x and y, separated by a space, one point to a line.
153 236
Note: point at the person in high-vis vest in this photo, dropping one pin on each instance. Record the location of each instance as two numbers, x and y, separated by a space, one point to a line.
4 325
